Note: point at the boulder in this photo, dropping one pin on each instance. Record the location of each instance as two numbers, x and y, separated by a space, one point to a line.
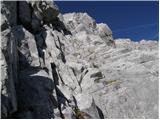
103 30
87 106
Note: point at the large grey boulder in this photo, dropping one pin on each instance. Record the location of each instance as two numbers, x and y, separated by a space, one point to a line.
105 33
86 104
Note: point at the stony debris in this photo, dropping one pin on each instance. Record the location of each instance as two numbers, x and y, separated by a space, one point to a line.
70 67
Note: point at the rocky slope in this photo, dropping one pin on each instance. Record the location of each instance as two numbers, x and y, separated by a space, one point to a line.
68 66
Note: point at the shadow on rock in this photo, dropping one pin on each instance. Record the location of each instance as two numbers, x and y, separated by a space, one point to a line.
59 25
35 94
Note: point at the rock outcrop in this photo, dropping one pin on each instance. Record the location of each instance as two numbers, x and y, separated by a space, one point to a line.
68 66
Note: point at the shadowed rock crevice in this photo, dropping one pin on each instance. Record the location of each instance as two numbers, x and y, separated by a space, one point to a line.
34 89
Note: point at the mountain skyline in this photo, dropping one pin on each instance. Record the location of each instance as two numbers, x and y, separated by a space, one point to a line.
136 20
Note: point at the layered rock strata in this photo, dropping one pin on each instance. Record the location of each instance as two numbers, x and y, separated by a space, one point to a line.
68 66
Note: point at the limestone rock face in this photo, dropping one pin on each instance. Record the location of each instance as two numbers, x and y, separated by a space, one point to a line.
69 66
79 22
9 68
130 80
33 14
28 53
33 102
25 13
9 59
9 14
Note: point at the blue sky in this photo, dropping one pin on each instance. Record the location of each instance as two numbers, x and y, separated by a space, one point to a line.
127 19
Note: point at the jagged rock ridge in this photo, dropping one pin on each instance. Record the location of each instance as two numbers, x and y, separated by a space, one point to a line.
68 66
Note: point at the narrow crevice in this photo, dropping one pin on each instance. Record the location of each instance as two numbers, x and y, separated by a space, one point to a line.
60 97
76 78
100 112
62 53
82 76
63 83
41 48
62 56
54 74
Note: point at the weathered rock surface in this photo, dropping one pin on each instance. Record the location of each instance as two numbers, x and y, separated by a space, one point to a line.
9 59
9 14
28 53
9 68
131 79
68 66
33 14
35 94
